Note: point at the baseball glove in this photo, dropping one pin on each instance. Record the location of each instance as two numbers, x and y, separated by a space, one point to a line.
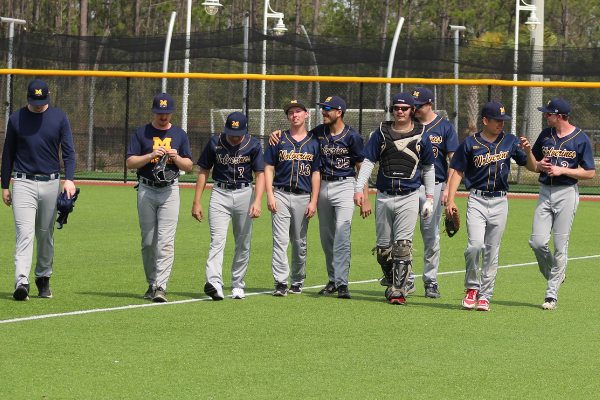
452 224
162 172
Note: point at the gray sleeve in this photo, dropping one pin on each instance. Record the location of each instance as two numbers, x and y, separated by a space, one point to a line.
428 178
363 175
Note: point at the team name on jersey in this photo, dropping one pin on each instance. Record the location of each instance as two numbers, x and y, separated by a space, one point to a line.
285 155
226 159
435 139
488 158
333 151
550 152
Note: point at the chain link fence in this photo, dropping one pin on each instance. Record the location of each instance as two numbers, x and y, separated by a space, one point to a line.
104 112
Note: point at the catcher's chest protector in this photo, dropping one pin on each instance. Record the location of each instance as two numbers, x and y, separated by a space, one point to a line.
400 155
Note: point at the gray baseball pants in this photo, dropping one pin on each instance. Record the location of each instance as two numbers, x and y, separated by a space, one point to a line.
335 207
554 212
229 205
158 212
486 220
430 231
395 217
290 223
34 210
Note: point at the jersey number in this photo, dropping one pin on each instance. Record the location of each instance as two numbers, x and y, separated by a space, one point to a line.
342 162
304 169
241 171
435 151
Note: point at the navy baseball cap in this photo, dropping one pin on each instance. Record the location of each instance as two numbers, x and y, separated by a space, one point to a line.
556 106
294 103
494 110
422 95
403 98
236 125
163 104
334 102
37 93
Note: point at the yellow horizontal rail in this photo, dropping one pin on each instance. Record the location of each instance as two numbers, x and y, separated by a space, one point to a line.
300 78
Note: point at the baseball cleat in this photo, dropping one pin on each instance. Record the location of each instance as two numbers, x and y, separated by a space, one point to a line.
409 288
160 296
431 291
238 293
43 285
280 290
384 282
470 299
549 304
483 305
149 295
295 289
214 290
22 292
398 301
343 292
329 288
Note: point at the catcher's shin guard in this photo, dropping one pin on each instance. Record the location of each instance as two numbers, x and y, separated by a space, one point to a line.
402 259
384 258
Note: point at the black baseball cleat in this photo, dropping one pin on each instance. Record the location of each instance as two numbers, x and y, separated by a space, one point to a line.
160 296
329 288
295 289
43 285
149 295
431 291
280 290
22 292
343 292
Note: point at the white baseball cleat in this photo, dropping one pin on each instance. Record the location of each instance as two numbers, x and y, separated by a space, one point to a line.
238 293
549 304
214 290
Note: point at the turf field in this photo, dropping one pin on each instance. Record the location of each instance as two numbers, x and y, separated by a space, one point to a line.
102 340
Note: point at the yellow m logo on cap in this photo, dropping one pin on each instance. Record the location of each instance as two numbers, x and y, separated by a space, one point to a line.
294 101
235 124
415 94
38 91
163 103
327 99
501 110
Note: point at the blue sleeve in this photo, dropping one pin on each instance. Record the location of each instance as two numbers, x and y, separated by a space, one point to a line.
518 154
184 150
270 156
451 139
372 150
537 148
135 145
427 156
459 160
258 161
356 148
68 148
587 155
207 158
8 154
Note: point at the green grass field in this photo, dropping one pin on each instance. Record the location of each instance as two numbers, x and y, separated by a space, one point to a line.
301 346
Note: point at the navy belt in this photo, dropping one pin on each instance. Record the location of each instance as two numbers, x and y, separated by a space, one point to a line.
333 178
37 177
231 186
291 190
483 193
155 184
398 192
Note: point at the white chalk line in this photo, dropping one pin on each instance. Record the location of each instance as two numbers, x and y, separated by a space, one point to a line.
134 306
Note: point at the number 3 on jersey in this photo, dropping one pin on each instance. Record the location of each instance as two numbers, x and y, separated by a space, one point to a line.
304 169
342 162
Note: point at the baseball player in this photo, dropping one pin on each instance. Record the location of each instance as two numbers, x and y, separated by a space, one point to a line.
484 161
158 201
292 181
341 147
34 135
444 141
563 154
233 156
403 153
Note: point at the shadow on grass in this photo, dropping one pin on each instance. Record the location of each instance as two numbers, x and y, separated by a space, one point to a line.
116 295
6 295
516 304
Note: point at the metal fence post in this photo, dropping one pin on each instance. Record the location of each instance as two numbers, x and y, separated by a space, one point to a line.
360 108
126 131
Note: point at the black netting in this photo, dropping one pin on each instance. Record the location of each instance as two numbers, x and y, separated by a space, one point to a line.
334 55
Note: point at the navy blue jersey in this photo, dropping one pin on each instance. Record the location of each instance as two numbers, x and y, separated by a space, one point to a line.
232 164
147 138
486 165
571 151
294 161
33 141
444 140
372 152
340 153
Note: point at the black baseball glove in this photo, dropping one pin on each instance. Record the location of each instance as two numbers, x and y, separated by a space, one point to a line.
162 172
452 224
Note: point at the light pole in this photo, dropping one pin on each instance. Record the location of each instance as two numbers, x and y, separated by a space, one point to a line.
167 51
456 29
532 23
388 86
11 34
278 31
